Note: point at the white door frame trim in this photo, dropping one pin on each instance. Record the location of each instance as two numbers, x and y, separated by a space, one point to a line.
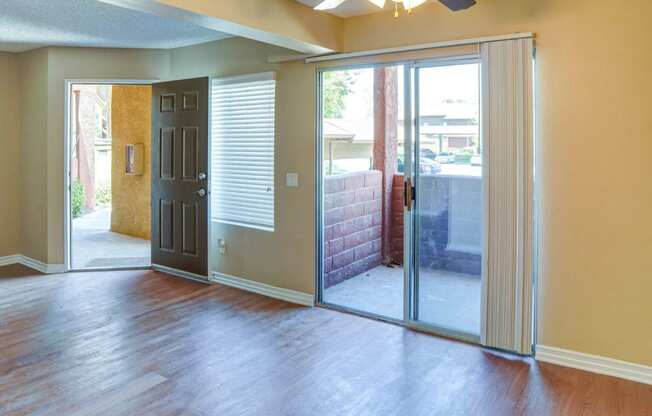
67 217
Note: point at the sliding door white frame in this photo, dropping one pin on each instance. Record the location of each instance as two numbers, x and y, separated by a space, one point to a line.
410 309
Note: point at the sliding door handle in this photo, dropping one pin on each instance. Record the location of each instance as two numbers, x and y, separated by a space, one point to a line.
408 194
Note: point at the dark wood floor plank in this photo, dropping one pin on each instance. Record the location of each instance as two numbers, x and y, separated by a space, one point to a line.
144 343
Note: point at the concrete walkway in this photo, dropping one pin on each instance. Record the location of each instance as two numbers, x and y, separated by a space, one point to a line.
447 300
93 245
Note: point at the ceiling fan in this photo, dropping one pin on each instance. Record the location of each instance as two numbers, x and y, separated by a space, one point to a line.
454 5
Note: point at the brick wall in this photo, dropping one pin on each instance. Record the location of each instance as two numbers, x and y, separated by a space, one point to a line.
352 225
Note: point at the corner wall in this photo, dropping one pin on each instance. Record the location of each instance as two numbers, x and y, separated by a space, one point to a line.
9 154
33 154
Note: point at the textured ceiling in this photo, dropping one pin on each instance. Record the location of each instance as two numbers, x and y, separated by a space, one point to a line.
352 7
29 24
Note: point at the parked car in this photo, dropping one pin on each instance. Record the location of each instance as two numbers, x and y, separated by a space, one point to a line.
429 166
445 157
426 166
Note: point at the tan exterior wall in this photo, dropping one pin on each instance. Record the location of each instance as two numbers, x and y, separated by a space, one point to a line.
131 123
9 154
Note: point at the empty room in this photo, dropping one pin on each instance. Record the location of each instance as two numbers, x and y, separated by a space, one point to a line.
325 207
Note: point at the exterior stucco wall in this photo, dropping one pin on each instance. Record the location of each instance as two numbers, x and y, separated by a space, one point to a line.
131 123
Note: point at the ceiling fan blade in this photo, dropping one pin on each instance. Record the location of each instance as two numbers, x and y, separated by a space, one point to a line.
328 4
456 5
379 3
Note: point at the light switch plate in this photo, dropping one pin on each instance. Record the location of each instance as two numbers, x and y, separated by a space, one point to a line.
292 180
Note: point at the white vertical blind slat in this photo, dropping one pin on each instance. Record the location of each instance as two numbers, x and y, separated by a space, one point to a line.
508 137
242 171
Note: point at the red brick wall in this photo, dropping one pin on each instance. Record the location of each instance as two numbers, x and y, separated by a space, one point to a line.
397 218
352 225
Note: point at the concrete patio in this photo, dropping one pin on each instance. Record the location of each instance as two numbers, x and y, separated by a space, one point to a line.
447 300
94 245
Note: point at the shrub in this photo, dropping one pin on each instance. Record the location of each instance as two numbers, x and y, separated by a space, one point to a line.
103 195
77 199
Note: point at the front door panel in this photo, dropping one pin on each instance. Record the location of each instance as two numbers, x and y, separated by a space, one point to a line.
179 157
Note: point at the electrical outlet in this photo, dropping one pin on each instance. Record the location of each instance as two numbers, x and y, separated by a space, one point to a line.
222 245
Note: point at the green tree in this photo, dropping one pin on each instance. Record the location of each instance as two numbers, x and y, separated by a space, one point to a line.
78 198
337 85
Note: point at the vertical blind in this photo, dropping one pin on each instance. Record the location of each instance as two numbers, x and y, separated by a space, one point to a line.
507 119
242 150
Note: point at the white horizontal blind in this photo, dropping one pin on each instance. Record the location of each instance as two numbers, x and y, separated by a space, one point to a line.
242 150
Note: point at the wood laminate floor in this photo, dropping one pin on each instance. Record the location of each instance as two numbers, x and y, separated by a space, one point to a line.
143 343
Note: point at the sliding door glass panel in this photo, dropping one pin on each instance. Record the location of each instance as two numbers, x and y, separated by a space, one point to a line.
362 136
449 210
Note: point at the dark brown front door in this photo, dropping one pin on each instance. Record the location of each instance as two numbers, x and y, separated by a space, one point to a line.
179 175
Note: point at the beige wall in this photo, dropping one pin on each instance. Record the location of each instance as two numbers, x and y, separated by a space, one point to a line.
82 63
131 123
33 154
9 154
594 145
286 256
594 116
594 135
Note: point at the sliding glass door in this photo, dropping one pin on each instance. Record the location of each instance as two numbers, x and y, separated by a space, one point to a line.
447 215
362 159
401 235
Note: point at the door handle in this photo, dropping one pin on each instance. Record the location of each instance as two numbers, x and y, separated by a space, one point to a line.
202 176
408 194
201 192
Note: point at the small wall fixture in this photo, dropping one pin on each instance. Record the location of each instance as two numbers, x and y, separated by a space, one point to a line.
134 159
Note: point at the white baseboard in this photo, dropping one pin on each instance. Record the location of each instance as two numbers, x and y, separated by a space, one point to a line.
594 364
7 260
32 264
42 267
287 295
180 273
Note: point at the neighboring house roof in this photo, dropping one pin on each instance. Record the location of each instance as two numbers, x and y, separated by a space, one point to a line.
335 131
452 110
362 130
450 130
357 130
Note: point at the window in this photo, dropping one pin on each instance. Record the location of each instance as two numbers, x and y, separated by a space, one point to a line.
242 142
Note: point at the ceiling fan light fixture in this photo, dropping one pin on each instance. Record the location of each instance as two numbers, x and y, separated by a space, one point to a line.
407 5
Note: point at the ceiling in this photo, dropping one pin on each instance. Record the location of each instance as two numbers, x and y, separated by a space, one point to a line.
352 7
30 24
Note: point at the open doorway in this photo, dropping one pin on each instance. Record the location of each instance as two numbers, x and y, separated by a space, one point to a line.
109 145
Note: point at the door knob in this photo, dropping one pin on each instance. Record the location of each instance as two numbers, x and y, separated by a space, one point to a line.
202 176
201 192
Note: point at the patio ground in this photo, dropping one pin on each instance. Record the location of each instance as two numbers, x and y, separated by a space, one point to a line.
448 300
93 245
